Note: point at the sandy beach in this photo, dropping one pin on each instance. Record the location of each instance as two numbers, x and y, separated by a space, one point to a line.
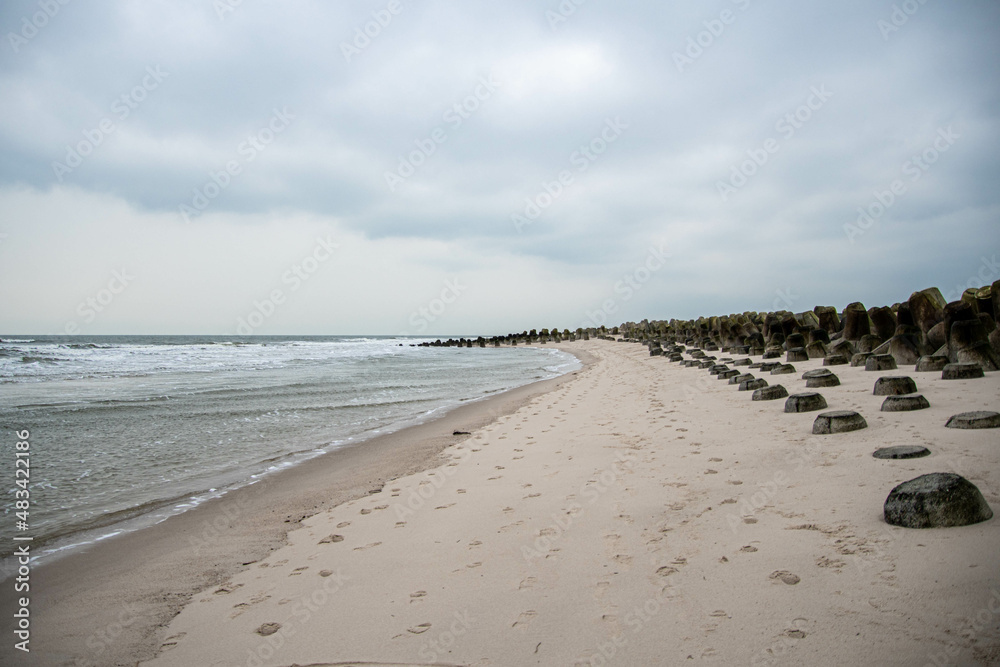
637 513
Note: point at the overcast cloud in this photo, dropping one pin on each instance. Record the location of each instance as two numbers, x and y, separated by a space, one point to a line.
483 167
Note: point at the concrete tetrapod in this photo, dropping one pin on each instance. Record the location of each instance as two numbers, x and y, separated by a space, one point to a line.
962 372
977 419
770 393
901 452
830 380
905 403
931 363
937 500
838 421
894 386
806 402
880 362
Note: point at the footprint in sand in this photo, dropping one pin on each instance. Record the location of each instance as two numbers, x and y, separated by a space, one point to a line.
475 543
330 539
268 629
325 573
527 583
419 629
785 577
171 642
367 546
444 507
343 524
366 511
400 524
728 501
525 618
532 495
297 571
666 571
415 597
227 588
734 482
749 549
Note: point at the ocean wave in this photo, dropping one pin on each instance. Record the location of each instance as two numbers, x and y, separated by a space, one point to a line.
30 359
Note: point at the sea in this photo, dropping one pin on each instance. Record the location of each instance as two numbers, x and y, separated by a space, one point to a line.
126 431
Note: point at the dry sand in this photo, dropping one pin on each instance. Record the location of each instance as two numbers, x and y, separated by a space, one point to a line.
638 514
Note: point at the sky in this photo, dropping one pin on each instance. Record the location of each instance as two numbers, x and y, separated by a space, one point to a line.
479 168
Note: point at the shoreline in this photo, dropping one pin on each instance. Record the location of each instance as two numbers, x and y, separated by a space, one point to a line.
63 540
107 601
